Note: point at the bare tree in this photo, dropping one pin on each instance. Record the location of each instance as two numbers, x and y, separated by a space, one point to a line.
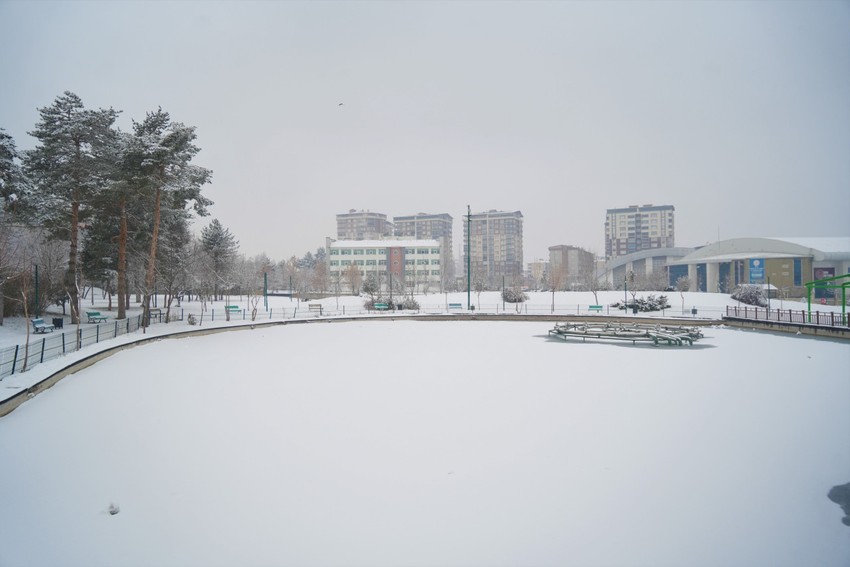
353 277
683 284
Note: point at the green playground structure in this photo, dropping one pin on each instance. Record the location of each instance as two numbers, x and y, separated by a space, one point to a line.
826 284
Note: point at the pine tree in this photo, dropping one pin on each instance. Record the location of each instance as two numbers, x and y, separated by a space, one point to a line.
68 168
222 248
162 151
13 187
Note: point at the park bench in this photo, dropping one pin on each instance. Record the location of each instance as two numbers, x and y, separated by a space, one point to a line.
455 305
596 308
95 317
40 326
315 307
381 307
232 308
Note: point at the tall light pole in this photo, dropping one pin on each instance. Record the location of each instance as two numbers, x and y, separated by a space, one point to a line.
468 258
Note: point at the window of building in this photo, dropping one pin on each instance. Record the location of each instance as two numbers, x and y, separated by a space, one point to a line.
346 262
382 251
422 251
798 271
358 252
435 262
359 262
334 262
345 252
422 262
370 262
382 262
435 272
334 252
435 250
409 262
370 251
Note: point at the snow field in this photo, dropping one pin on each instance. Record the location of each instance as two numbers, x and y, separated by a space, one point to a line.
427 443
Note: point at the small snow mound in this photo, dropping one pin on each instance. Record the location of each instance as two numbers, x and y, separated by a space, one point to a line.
113 509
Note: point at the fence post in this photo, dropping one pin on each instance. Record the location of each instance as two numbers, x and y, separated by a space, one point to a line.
63 343
97 333
79 339
15 359
44 340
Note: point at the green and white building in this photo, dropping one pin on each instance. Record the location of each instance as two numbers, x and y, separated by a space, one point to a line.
412 265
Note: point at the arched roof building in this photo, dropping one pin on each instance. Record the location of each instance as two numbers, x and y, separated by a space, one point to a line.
784 263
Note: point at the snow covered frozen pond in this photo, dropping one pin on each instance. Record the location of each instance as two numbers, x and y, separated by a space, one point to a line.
434 443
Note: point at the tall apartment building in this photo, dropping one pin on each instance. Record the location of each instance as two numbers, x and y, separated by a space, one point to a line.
362 225
570 266
495 244
426 226
638 227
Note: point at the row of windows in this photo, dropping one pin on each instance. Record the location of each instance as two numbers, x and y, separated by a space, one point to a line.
337 273
379 251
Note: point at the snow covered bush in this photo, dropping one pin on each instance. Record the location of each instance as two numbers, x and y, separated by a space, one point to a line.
750 294
512 295
649 303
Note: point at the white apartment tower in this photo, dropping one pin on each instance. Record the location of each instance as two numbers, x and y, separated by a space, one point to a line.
638 227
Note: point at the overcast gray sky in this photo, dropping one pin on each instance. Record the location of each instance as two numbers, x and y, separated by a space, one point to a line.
736 113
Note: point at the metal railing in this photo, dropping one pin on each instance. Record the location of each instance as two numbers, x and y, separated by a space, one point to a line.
48 346
799 316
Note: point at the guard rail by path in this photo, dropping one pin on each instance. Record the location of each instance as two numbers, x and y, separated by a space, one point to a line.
9 404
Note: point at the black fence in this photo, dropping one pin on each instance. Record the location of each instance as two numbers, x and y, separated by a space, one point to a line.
801 316
47 346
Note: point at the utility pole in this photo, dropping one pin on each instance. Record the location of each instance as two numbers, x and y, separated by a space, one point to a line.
468 258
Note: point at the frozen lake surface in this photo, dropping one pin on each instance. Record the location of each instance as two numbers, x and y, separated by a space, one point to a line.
434 443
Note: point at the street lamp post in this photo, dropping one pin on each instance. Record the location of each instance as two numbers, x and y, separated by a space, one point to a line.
468 258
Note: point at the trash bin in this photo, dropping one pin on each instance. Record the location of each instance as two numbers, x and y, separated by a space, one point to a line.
693 311
58 322
634 310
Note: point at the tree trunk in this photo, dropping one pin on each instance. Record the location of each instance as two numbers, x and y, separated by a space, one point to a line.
71 275
123 293
151 272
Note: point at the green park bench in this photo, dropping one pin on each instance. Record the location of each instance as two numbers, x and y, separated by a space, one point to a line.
39 326
95 317
315 307
455 305
381 307
232 308
596 308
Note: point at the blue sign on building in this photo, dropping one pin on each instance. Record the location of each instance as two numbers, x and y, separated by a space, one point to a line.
756 270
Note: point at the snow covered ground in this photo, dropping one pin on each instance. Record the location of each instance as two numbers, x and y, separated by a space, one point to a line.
433 443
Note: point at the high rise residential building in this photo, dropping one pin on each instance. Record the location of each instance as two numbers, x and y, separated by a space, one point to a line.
570 267
362 225
638 227
425 226
494 239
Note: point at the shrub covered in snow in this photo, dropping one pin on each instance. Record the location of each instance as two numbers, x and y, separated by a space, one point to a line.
750 294
512 295
396 303
650 303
